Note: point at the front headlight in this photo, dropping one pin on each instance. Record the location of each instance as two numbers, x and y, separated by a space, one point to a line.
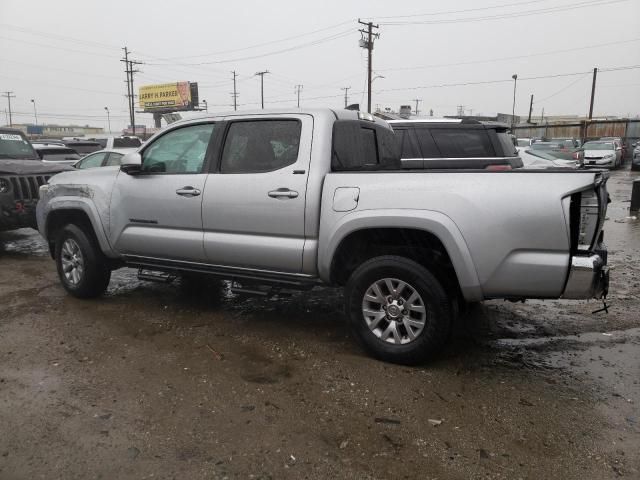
609 155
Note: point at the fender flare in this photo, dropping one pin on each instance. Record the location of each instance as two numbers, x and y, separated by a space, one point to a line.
433 222
89 208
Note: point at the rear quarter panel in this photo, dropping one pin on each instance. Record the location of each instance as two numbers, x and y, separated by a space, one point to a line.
507 233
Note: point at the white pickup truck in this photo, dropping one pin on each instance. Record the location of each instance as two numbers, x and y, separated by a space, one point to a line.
294 199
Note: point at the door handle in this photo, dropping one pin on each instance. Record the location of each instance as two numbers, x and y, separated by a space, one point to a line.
283 193
188 191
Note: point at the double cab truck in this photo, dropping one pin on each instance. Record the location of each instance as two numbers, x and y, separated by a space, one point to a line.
300 198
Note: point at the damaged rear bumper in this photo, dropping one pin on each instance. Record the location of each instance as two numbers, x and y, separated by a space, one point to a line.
588 276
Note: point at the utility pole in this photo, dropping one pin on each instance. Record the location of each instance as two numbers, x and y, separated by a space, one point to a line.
346 95
35 112
298 90
9 96
530 109
108 119
234 95
129 71
593 92
262 74
513 109
460 110
368 44
417 100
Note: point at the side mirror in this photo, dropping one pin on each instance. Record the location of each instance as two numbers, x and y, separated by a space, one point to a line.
131 163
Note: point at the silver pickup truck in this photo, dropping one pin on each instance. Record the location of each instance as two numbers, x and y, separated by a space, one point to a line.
294 199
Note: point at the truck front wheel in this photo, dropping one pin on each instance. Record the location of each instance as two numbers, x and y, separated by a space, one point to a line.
397 310
82 269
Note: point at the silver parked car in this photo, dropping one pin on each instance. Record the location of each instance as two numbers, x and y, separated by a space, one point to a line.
103 158
606 154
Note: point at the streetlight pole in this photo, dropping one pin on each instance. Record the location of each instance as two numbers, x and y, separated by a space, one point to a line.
513 109
108 118
35 113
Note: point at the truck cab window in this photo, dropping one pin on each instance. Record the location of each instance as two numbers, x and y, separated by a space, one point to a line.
260 146
179 151
463 143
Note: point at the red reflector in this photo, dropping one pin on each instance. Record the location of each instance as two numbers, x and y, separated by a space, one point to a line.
498 168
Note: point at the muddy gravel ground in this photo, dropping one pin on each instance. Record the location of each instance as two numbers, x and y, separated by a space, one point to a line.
150 382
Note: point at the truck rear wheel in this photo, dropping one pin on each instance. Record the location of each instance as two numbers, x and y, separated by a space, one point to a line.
82 268
397 310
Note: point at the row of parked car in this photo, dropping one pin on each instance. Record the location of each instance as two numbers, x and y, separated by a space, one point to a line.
89 153
605 152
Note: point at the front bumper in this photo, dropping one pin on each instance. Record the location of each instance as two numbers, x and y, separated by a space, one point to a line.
16 214
588 276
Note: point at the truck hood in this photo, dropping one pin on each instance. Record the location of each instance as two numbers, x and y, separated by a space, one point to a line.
30 167
598 153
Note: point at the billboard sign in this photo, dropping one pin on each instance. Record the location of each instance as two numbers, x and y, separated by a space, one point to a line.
168 97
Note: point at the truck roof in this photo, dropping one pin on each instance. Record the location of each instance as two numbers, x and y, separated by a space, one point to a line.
326 113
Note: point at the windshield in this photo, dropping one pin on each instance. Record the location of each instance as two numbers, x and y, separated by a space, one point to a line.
14 145
126 142
598 146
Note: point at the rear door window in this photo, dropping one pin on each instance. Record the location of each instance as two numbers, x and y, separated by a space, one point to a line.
427 144
460 143
506 142
260 146
407 144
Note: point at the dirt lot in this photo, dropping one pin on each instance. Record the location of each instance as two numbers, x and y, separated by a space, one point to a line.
150 382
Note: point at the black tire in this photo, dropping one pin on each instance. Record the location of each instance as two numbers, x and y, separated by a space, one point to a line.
437 325
95 276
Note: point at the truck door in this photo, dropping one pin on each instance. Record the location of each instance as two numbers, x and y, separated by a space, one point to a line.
158 212
253 208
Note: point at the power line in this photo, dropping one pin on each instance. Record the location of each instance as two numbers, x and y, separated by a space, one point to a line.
555 9
515 57
271 42
253 57
59 37
46 45
432 14
564 88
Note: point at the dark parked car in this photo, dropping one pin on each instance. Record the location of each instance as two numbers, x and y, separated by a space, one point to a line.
54 153
455 144
83 147
635 160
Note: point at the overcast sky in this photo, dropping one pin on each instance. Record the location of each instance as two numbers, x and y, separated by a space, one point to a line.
65 54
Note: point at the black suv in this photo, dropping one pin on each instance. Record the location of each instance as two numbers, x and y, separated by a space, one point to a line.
455 144
21 175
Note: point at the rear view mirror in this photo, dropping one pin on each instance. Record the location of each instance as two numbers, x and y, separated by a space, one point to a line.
131 163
